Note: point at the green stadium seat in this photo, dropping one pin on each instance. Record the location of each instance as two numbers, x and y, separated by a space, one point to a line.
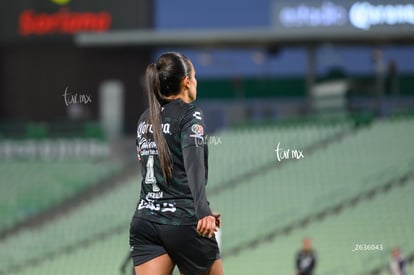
269 201
380 221
31 186
335 174
36 131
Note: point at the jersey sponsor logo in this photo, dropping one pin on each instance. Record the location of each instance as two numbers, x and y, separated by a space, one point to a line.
197 115
146 147
151 205
198 131
144 128
144 143
154 195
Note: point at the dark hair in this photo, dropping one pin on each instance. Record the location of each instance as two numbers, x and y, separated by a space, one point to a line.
163 79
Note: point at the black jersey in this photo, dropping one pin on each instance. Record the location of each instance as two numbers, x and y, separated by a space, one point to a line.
182 199
305 262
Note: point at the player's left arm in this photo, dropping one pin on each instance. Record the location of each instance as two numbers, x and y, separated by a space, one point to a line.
192 144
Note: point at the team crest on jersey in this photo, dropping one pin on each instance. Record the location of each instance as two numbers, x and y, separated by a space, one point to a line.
198 131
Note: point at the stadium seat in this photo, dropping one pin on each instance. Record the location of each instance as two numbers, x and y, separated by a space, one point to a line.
30 186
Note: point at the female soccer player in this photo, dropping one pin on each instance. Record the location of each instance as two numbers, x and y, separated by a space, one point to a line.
173 223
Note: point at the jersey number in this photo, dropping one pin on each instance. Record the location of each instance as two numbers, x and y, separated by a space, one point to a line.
150 176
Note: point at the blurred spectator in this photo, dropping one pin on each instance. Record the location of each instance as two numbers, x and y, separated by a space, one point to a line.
393 75
380 71
393 83
306 258
398 264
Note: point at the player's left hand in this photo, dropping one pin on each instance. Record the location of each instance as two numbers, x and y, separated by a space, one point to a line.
207 226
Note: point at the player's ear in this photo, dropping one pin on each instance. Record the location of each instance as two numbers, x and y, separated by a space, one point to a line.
186 82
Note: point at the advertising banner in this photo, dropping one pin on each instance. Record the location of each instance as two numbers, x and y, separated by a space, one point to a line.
378 15
35 19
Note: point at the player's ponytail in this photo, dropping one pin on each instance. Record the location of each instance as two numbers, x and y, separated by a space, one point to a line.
154 99
164 78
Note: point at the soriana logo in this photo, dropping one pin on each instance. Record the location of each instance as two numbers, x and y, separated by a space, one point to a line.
63 21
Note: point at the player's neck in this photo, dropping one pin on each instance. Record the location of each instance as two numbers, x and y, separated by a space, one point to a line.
183 96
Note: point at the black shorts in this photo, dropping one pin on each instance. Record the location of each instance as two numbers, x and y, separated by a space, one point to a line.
192 253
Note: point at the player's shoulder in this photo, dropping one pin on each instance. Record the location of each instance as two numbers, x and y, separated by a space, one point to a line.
143 116
193 111
183 110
